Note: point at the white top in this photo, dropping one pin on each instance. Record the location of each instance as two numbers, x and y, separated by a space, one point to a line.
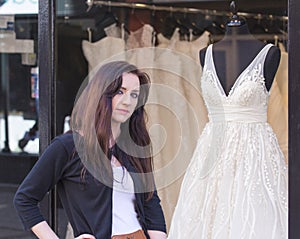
124 216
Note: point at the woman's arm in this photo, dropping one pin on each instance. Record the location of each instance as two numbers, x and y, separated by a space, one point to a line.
43 176
157 234
154 218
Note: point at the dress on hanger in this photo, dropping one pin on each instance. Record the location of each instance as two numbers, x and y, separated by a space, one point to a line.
236 183
167 91
187 51
139 47
142 37
191 72
111 47
179 109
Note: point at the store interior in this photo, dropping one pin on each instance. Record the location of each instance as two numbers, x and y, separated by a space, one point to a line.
82 29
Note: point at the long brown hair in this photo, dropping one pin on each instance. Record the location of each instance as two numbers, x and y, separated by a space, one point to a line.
91 120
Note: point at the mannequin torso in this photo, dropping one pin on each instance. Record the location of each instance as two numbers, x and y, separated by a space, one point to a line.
235 52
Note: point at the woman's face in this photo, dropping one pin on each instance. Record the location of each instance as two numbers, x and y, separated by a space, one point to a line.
125 101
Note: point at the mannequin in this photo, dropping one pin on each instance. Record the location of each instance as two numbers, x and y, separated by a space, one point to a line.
236 184
235 52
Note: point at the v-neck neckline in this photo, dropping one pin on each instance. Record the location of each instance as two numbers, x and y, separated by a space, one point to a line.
239 76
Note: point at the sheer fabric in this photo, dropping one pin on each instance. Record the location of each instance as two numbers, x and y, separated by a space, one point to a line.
236 183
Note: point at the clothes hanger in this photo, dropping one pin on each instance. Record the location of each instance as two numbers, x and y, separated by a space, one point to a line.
110 18
214 25
90 34
181 22
184 30
190 24
169 23
258 25
133 16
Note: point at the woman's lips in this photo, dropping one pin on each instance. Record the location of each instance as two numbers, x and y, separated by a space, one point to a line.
123 111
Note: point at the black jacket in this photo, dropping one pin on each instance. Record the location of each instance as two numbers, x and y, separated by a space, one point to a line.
87 202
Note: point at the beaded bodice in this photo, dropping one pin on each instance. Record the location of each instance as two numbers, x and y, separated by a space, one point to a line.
248 97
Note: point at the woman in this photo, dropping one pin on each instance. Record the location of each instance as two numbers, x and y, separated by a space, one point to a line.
103 168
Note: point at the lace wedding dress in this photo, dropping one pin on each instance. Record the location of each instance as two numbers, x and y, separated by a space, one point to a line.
236 184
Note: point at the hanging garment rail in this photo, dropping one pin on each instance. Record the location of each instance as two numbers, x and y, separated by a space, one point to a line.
154 8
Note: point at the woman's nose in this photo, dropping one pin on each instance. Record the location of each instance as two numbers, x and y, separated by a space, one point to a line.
126 99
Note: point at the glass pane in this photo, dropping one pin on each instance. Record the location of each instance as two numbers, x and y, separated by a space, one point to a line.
19 144
165 40
178 31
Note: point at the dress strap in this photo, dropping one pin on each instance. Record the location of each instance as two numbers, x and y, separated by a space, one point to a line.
208 57
123 31
260 58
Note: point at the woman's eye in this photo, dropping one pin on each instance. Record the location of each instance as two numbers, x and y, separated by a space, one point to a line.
134 95
120 92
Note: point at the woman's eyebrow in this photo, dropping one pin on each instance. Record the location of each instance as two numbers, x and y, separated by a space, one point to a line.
125 89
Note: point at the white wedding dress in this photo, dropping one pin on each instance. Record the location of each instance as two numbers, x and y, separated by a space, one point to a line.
235 186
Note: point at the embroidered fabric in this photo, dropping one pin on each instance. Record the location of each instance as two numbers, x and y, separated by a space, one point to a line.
236 183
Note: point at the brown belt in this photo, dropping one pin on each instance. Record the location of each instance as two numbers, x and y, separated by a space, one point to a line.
134 235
